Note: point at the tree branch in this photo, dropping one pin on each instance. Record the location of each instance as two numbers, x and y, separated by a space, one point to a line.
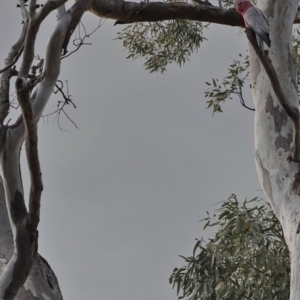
291 110
31 145
32 8
129 12
76 11
12 58
125 12
34 25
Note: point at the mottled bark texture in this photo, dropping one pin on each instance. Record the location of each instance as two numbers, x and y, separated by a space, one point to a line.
291 110
274 129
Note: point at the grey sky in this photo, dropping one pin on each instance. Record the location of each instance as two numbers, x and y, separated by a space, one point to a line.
123 195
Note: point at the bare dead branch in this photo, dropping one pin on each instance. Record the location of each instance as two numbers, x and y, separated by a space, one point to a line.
69 118
292 111
78 42
62 104
67 96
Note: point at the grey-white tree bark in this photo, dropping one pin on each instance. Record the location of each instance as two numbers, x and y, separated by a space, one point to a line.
25 274
273 130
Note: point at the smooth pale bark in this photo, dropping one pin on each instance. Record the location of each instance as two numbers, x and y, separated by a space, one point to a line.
273 130
23 225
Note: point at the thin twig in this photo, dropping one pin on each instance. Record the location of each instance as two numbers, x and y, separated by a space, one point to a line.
82 39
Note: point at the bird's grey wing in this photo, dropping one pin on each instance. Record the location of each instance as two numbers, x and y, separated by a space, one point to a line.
257 20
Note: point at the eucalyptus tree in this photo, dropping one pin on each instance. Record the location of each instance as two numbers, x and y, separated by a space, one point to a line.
161 32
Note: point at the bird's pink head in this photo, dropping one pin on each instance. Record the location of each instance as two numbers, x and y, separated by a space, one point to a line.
242 5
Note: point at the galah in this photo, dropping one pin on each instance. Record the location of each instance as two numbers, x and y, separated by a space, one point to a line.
256 20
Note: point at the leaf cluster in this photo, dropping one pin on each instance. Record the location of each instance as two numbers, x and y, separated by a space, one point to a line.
162 43
246 259
230 3
232 84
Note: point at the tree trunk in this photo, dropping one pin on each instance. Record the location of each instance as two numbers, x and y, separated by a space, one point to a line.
273 130
41 281
25 274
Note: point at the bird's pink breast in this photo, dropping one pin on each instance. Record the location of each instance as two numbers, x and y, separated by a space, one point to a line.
243 8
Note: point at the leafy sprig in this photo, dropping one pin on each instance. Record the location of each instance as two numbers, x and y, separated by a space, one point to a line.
231 85
246 259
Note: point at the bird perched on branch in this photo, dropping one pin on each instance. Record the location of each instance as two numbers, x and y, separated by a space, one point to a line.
256 20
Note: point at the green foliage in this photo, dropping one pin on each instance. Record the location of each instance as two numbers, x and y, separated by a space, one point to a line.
232 84
230 4
162 43
246 259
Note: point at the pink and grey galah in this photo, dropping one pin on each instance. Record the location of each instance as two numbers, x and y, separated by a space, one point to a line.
256 20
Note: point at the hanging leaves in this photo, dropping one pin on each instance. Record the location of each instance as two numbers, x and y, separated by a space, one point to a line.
162 43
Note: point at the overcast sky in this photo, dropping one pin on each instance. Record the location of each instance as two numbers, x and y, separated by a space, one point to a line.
123 194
